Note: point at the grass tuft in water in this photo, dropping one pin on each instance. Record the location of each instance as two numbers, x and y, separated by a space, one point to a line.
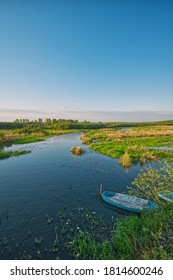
125 160
77 150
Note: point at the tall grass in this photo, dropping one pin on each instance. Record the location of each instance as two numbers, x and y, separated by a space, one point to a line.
125 160
77 150
132 146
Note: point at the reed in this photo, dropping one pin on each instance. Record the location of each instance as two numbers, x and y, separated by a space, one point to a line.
125 160
77 150
132 146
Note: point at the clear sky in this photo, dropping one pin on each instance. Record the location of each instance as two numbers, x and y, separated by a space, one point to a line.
87 56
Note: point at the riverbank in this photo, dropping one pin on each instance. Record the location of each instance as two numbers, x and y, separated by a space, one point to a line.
130 142
15 137
132 146
145 237
4 155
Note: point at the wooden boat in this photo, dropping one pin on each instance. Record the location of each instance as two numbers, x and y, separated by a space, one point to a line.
166 195
129 202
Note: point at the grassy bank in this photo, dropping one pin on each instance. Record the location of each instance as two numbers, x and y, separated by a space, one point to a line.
18 136
4 155
107 138
136 145
148 237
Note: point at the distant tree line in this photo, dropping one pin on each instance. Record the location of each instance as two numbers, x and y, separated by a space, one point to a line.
40 124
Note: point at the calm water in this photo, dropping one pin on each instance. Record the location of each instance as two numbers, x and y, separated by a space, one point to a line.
163 148
50 180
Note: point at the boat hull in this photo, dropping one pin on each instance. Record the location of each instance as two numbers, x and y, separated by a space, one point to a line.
150 205
167 196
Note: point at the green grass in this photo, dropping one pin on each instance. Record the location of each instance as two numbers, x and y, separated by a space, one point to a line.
28 139
135 143
148 236
4 155
36 138
10 137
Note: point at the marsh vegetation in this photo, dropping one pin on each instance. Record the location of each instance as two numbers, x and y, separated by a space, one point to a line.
77 150
148 237
112 139
82 233
8 154
132 146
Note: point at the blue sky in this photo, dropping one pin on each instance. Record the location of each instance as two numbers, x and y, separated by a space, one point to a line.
86 56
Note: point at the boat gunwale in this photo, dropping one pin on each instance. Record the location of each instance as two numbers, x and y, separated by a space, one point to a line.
128 206
165 197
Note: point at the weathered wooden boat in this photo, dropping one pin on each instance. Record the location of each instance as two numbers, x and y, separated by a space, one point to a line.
129 202
166 195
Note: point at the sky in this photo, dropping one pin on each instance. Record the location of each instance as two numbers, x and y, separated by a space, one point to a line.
96 59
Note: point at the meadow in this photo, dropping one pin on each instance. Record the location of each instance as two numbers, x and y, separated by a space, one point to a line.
140 144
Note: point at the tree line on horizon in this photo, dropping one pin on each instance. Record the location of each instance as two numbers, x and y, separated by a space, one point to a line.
73 124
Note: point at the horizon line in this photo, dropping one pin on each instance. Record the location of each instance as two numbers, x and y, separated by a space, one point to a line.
7 114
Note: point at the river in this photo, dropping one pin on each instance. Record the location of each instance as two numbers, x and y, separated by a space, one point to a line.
50 181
